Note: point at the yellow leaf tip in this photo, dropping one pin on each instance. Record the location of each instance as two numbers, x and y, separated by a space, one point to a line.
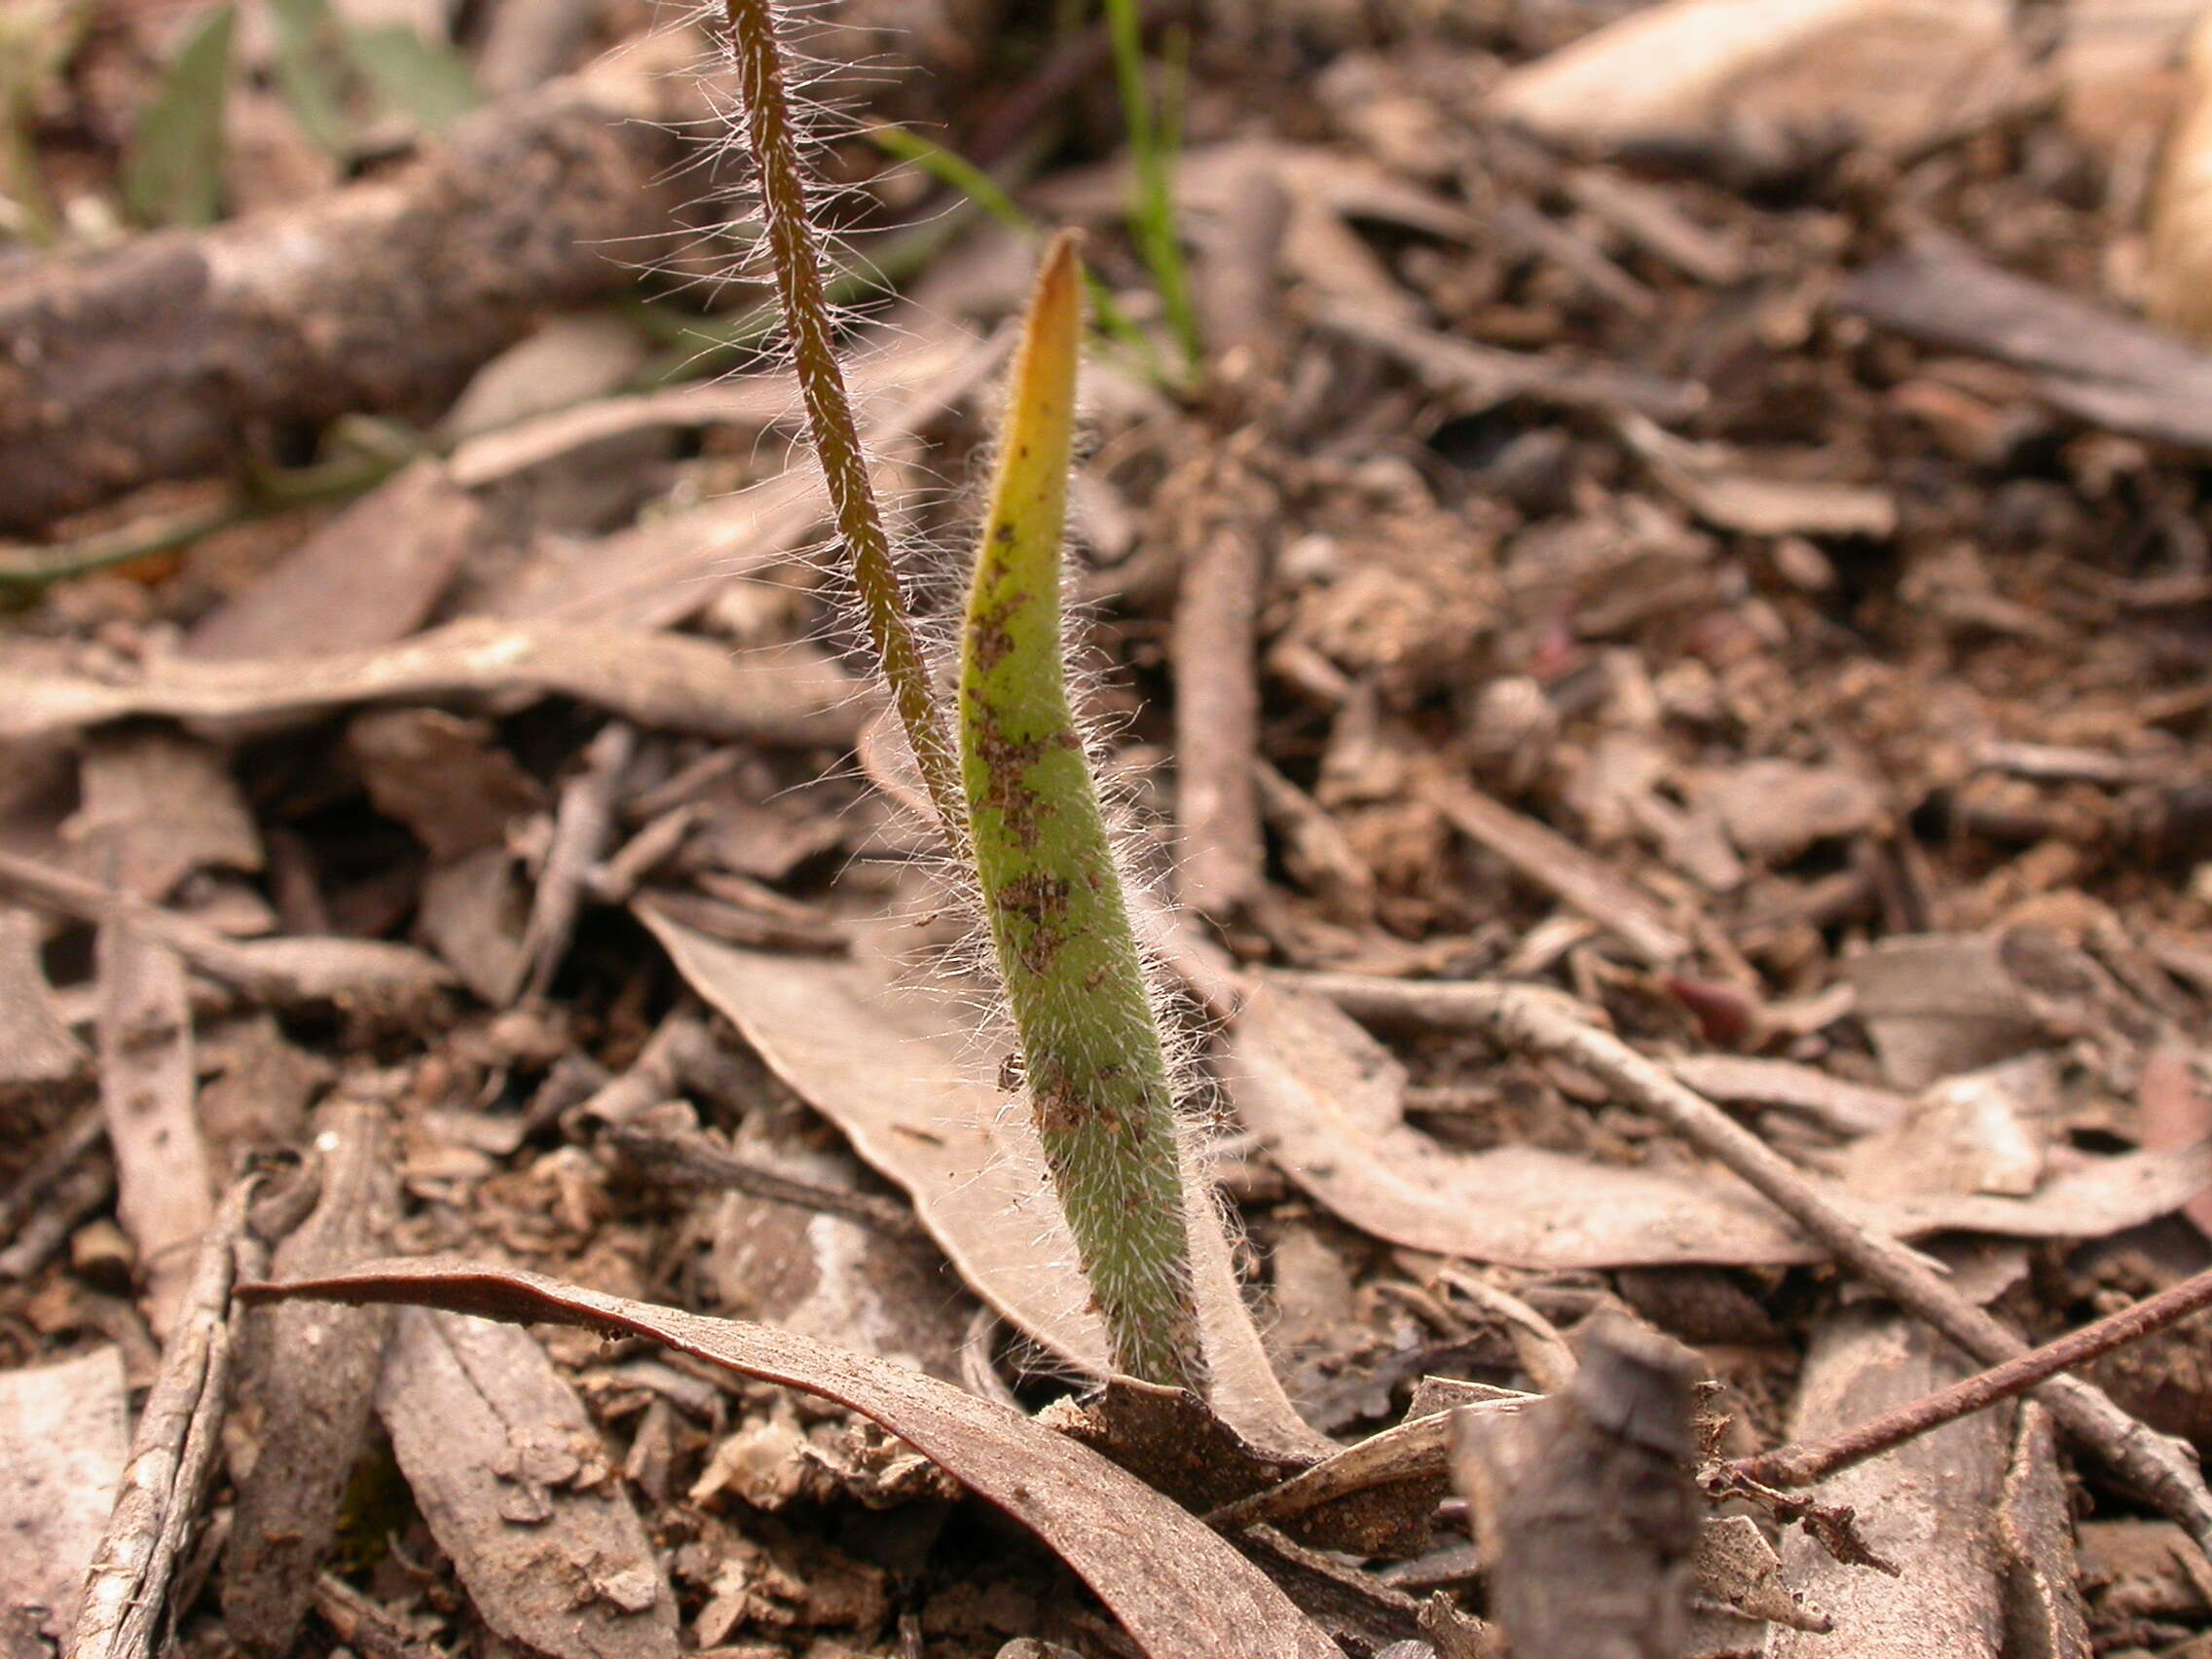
1059 277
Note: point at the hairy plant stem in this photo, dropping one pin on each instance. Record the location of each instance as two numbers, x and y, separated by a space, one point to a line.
794 249
1099 1081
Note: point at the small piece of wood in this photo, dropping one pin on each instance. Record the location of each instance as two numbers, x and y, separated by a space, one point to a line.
1583 1504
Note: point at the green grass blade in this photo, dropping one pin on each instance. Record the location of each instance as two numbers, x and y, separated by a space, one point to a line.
956 172
173 173
1098 1077
1153 143
953 169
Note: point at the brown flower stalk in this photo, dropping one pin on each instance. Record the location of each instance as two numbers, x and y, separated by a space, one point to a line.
793 246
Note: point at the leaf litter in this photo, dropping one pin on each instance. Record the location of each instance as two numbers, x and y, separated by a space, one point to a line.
1180 1591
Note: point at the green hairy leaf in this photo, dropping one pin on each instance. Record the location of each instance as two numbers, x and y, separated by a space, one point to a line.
1098 1077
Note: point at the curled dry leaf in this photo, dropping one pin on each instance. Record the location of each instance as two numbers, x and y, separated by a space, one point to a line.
507 1469
2174 280
1401 1471
671 681
155 805
1981 1132
2175 1109
164 1195
37 1052
1327 1101
64 1433
1774 810
443 776
370 576
1178 1589
1758 82
1738 1577
894 1071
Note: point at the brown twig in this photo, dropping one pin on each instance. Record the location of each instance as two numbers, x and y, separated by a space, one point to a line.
1526 1017
284 969
686 1157
1217 691
1804 1462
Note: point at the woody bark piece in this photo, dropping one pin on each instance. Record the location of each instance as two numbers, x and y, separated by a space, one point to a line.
2044 1613
310 1384
161 359
1583 1506
1928 1507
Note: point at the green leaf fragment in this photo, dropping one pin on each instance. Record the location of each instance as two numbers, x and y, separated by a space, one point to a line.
313 75
174 171
1096 1074
426 79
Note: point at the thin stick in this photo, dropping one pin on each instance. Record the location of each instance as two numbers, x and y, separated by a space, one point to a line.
688 1157
171 1453
794 249
1807 1462
2162 1469
1217 700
